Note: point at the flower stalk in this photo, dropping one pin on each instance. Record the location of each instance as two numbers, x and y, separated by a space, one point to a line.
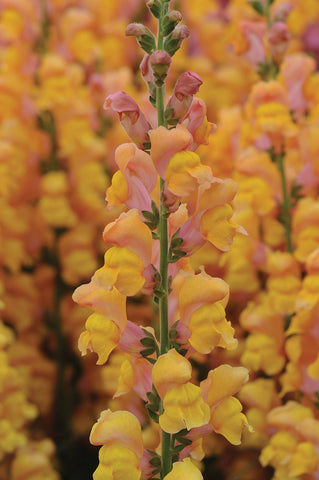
166 460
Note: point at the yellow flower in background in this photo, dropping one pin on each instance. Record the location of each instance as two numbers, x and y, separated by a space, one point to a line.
226 411
209 328
263 352
218 227
289 457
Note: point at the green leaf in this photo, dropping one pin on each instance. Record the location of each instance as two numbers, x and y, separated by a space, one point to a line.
155 7
147 352
148 342
155 461
171 45
168 113
151 360
149 334
156 470
184 441
151 396
257 6
178 448
172 334
172 121
148 215
175 256
154 416
147 42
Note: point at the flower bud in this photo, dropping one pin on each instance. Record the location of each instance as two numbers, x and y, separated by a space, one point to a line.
174 40
160 62
148 77
155 7
171 19
143 35
179 103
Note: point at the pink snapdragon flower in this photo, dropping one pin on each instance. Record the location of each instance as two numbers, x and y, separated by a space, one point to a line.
132 119
186 86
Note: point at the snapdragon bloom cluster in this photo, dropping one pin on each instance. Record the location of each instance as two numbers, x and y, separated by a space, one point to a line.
276 171
173 206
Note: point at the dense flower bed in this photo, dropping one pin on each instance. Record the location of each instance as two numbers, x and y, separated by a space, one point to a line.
188 209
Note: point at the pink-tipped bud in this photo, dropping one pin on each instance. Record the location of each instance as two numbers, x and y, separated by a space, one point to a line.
146 71
148 77
180 32
130 116
143 35
175 38
171 19
160 62
186 86
174 16
136 30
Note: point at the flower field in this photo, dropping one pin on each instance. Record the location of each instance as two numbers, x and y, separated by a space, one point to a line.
159 240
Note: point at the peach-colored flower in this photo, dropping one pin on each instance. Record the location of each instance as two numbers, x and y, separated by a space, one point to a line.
226 411
129 231
165 143
135 180
170 369
130 116
186 86
294 71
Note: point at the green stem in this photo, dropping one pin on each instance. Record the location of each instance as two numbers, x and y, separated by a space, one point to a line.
286 205
62 400
163 236
267 14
